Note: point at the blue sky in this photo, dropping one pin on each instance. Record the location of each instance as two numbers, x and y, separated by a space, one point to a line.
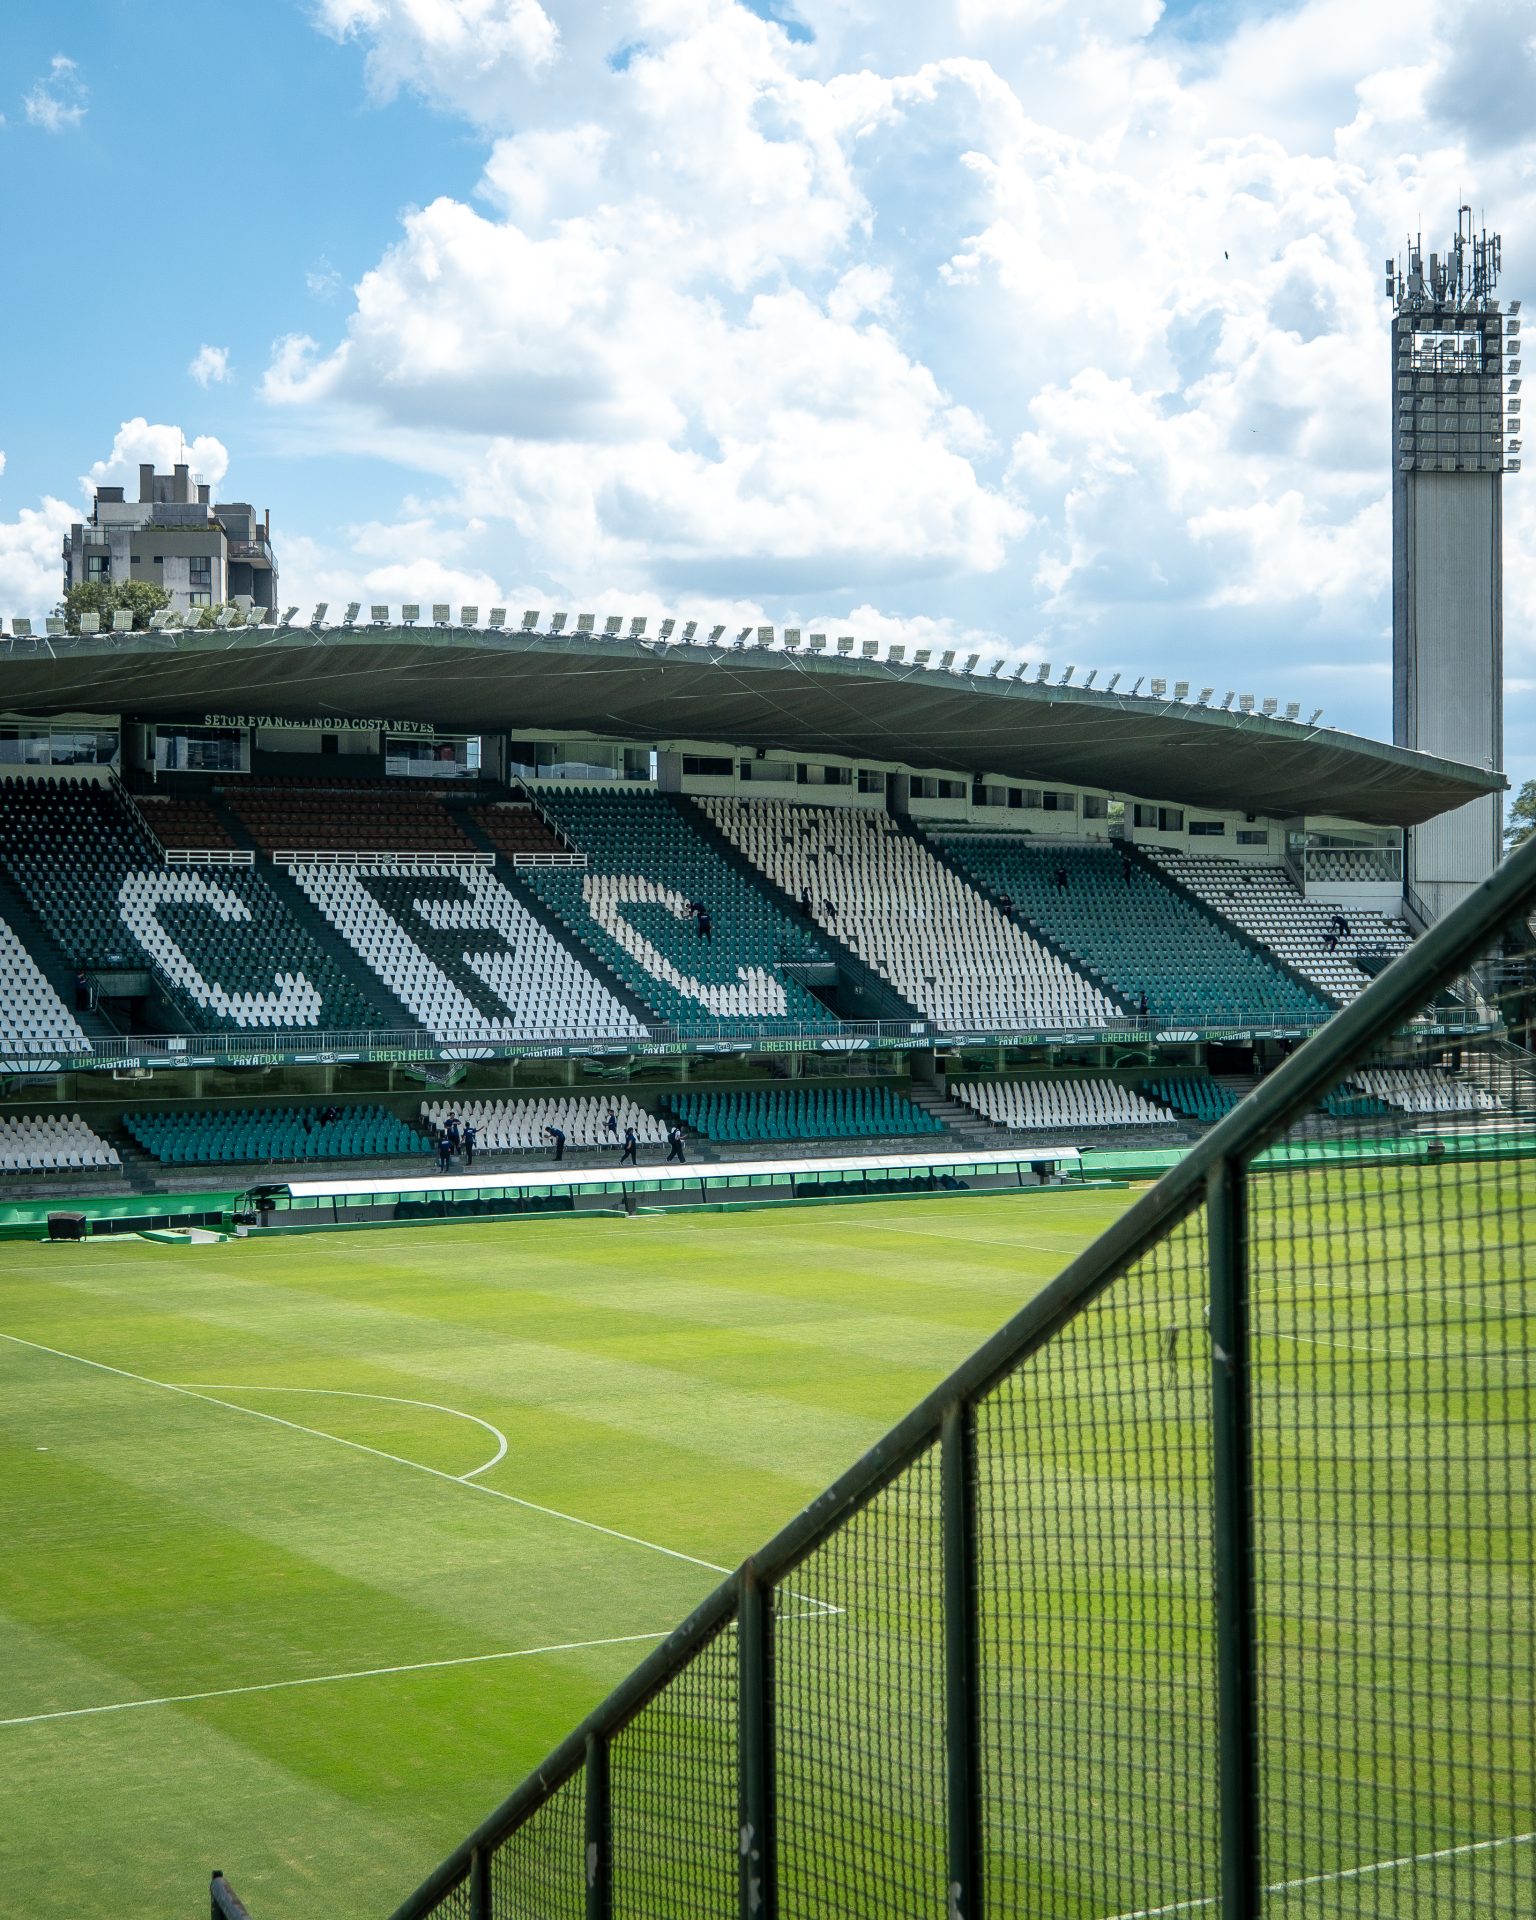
1045 328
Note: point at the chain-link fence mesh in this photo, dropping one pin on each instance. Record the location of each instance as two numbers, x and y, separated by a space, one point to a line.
1377 1756
858 1706
674 1794
1093 1471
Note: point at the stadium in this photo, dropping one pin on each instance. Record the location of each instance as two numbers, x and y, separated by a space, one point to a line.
688 1272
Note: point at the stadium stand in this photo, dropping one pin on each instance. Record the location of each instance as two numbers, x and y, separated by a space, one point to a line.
1192 1095
228 948
217 1136
346 817
1137 934
649 860
517 1126
1354 1106
517 827
44 1143
945 948
1264 902
462 953
802 1113
1029 1105
31 1012
184 821
1423 1090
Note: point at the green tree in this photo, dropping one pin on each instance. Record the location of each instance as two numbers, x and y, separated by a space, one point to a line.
1521 823
141 598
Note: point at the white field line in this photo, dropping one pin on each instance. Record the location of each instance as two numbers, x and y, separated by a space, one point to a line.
326 1679
379 1453
1342 1873
395 1399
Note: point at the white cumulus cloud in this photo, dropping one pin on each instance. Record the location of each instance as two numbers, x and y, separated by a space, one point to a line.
59 99
137 441
209 365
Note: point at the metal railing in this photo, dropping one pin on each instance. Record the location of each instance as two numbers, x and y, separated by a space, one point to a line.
208 857
332 857
1203 1587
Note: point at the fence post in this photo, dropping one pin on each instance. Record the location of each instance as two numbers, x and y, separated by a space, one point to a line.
1237 1703
599 1847
962 1718
479 1885
758 1869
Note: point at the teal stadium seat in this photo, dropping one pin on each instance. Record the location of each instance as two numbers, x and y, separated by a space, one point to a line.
647 862
234 955
1191 1094
802 1113
222 1137
1137 934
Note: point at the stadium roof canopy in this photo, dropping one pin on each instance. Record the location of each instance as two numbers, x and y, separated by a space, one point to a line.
620 687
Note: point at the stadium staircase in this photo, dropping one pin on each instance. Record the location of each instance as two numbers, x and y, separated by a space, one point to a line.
392 1013
595 961
47 957
641 833
963 1125
1036 927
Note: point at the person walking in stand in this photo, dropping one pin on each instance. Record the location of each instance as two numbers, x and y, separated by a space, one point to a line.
706 926
451 1128
631 1143
1005 904
674 1143
469 1137
444 1153
611 1127
557 1134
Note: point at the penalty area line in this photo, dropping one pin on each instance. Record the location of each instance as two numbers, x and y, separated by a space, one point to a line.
1341 1873
326 1679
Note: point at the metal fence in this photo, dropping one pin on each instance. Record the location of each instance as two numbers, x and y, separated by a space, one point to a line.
1205 1587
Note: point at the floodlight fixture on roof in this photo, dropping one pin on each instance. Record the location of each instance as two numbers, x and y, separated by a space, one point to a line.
1205 695
410 613
1091 675
496 618
159 620
765 636
379 615
441 613
637 626
1227 699
322 608
921 656
791 636
1137 688
869 648
530 619
469 616
349 618
667 629
1159 688
1270 706
1245 702
716 635
690 628
947 658
1181 689
817 642
1044 674
743 636
896 653
1021 669
613 624
90 623
972 662
1293 709
1316 716
1066 676
227 617
845 643
122 620
586 622
557 622
21 627
1114 681
997 667
290 615
55 625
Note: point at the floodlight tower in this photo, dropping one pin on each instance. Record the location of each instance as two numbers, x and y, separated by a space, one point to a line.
1456 422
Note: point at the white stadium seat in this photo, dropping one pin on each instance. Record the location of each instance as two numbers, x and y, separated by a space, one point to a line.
517 1126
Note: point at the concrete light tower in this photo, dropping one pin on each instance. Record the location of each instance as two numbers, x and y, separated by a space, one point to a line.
1456 416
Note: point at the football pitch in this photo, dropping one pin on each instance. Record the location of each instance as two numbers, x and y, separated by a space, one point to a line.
314 1545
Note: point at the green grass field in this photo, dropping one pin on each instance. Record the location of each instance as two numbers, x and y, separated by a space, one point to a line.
315 1545
669 1388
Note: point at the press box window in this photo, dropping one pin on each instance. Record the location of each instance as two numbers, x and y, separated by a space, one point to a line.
1207 829
1252 837
707 766
871 780
1159 819
202 750
1058 802
1095 806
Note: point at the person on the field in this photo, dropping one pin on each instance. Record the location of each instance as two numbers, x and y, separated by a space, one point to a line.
557 1134
468 1137
631 1144
674 1142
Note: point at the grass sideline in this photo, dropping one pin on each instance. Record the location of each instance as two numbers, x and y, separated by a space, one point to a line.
686 1380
